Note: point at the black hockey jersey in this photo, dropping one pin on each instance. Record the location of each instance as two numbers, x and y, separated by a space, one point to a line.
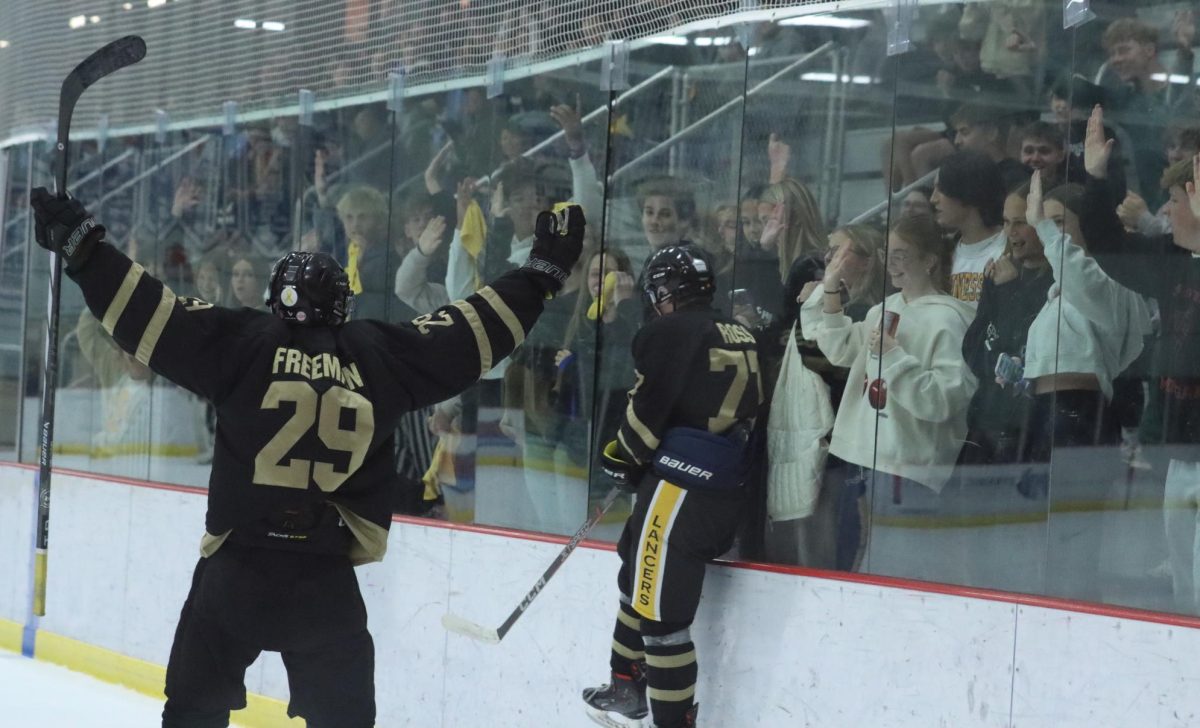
694 368
306 415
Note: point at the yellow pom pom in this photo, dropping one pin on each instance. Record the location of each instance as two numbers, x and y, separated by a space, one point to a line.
606 293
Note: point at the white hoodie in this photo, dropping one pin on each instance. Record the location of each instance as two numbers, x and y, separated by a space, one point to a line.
924 422
1090 324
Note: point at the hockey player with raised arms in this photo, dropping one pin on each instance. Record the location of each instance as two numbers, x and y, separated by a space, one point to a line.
682 446
307 403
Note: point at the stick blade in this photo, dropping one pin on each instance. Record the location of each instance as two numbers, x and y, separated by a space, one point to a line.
455 623
113 57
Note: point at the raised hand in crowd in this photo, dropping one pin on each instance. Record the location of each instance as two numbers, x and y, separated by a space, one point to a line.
571 122
775 226
499 207
187 197
1131 210
1001 270
463 196
808 289
1033 203
1096 149
779 153
624 289
431 236
436 165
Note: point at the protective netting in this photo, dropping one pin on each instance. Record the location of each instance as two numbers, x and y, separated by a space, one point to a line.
261 52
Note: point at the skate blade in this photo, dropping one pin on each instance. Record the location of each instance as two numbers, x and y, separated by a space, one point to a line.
615 720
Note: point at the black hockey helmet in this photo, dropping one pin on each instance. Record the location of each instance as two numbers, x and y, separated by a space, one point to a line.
310 289
681 274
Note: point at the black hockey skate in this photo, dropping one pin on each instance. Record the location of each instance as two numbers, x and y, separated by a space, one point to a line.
689 719
621 703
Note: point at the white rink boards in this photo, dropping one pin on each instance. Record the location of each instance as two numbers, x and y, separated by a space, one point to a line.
776 649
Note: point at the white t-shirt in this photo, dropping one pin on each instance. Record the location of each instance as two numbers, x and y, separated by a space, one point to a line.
966 276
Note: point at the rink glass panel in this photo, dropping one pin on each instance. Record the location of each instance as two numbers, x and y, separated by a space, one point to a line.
209 209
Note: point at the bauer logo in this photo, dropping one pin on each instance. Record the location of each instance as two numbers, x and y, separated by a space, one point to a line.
681 467
85 227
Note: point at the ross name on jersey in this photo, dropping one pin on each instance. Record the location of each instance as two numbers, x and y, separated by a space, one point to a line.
318 366
735 334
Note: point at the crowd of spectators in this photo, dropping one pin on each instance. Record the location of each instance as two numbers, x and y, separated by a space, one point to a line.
1002 313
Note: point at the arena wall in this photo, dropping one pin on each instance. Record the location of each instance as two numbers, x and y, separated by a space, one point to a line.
778 647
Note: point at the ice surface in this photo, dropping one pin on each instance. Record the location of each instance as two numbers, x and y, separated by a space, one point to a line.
36 694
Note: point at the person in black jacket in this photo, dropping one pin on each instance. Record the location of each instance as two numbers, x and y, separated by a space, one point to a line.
307 405
1014 291
1166 268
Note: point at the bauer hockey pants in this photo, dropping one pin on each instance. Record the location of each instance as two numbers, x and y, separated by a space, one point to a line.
670 536
305 606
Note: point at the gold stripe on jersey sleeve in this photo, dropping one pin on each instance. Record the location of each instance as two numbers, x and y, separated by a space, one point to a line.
116 307
505 313
625 445
154 329
481 337
639 428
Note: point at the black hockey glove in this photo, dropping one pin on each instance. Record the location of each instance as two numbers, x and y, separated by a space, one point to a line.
64 227
557 244
624 474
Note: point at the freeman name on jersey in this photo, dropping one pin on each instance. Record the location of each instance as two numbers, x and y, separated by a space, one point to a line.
318 366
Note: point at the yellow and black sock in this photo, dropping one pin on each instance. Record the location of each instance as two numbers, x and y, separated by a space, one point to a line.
628 650
671 675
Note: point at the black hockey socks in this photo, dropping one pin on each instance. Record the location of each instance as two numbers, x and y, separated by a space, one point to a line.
627 647
671 673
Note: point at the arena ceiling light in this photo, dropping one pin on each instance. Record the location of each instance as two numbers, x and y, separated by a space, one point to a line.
127 6
4 44
273 25
826 21
77 22
673 40
1175 78
825 77
245 24
155 3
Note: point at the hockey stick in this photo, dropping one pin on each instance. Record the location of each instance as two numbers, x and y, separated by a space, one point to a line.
112 57
455 623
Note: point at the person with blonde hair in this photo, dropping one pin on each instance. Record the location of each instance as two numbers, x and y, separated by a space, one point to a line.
792 234
371 262
902 420
856 254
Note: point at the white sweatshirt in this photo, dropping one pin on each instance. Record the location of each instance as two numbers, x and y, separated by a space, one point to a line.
966 274
920 430
1090 324
586 191
413 286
